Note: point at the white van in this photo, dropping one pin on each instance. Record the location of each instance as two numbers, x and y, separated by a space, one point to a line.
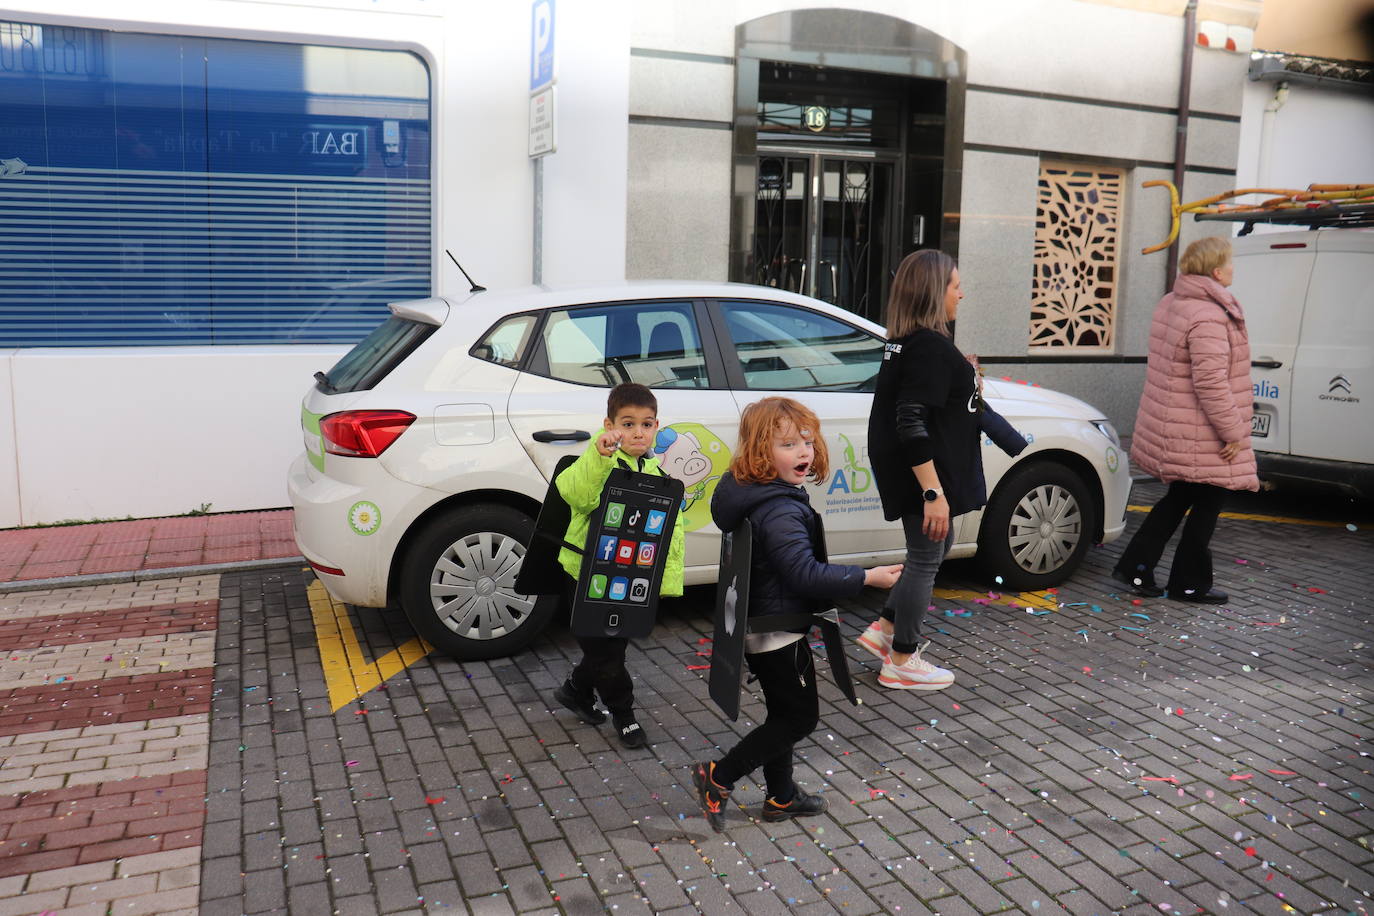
1308 297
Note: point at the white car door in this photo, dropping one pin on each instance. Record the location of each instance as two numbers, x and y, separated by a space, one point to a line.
558 405
830 366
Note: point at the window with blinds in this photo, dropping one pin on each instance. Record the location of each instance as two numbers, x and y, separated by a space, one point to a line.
170 190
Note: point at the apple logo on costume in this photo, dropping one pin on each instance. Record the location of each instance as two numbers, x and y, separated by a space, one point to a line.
730 596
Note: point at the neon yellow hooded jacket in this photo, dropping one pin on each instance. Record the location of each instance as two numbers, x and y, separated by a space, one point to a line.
581 485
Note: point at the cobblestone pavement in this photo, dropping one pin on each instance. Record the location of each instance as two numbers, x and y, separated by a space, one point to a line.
1096 755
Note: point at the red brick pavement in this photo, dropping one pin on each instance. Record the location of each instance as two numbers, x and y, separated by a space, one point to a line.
155 543
77 704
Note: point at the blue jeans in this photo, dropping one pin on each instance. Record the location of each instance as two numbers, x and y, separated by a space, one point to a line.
907 602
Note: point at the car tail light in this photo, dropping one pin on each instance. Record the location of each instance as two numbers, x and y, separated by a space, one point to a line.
331 570
363 433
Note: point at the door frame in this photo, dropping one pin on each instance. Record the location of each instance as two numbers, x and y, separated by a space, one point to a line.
865 41
815 200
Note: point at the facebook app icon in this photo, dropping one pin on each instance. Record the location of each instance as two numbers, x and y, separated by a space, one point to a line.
606 549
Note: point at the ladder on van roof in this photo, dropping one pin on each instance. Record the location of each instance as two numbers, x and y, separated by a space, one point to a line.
1318 206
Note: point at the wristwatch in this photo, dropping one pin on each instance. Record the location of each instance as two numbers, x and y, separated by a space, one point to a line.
932 495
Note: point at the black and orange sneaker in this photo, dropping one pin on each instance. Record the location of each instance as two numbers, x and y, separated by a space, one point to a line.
801 805
711 796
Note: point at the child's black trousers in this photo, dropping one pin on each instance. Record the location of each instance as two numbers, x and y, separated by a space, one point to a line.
787 677
602 667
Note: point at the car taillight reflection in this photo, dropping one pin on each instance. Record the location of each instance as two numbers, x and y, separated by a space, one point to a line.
363 433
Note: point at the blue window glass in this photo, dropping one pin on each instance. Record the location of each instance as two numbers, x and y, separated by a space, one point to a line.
161 189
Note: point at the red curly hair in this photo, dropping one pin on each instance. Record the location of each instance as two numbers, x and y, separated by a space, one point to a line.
758 424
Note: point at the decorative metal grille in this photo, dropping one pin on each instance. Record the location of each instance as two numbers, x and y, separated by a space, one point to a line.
1077 228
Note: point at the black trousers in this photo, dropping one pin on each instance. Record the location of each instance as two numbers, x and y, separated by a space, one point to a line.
787 677
1192 566
602 667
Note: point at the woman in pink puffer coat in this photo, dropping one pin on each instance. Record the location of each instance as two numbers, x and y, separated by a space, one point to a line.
1193 427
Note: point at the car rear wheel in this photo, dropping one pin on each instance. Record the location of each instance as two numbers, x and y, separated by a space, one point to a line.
1037 527
457 583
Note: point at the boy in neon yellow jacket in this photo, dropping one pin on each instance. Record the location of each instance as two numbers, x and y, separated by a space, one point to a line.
630 424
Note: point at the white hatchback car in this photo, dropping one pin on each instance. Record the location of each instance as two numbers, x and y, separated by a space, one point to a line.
428 447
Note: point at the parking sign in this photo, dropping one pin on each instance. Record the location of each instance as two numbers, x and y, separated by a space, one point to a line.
541 44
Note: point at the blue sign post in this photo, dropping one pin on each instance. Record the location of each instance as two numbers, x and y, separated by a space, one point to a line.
541 44
543 139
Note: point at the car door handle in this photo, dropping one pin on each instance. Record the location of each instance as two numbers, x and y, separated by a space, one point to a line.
562 435
1266 363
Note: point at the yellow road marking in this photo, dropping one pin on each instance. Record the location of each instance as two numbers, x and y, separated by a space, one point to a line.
347 672
1038 600
1277 519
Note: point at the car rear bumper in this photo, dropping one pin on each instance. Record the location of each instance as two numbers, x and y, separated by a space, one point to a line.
350 528
1349 477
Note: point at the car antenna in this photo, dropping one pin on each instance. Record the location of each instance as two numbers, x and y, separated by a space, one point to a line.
475 288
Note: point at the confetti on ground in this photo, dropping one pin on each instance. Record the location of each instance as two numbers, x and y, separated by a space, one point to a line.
1237 777
1168 779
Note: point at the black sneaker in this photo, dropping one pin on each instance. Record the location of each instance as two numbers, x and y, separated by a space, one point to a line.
710 796
1140 585
801 805
631 735
586 711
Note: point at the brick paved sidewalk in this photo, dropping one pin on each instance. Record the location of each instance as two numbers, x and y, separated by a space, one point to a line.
104 724
142 544
1095 756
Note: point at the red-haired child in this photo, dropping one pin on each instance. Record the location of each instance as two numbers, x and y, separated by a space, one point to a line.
780 448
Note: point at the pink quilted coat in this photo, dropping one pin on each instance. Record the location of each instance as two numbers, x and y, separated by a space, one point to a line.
1198 393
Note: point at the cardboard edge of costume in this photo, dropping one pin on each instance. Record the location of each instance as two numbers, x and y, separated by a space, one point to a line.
727 648
540 572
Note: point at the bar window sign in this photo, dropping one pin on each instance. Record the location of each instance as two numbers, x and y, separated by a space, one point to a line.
335 144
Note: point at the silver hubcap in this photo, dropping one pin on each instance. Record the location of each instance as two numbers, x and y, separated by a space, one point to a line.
1045 529
472 586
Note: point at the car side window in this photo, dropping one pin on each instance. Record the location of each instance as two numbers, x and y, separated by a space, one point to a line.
653 343
786 348
505 343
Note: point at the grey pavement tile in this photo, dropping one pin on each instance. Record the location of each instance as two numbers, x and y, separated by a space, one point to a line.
1025 781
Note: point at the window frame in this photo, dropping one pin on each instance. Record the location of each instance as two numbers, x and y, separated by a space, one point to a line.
734 369
717 377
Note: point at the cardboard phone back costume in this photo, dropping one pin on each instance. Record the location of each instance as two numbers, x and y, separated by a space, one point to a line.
733 621
623 560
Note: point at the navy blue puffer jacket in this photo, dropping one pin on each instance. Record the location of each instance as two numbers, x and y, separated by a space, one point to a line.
789 573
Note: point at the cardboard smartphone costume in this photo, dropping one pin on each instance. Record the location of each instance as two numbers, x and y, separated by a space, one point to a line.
733 621
629 535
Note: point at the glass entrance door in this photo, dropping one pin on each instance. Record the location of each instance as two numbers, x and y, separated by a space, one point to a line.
822 227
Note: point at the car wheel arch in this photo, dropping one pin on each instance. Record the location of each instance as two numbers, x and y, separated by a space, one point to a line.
1076 463
468 498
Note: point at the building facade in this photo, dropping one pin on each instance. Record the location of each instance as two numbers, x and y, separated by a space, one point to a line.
201 212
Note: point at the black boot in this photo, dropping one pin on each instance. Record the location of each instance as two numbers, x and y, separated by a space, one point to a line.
1140 584
1196 596
580 703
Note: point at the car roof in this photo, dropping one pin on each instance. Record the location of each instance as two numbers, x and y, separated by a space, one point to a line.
491 304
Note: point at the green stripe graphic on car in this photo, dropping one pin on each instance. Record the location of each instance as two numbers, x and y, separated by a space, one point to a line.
314 439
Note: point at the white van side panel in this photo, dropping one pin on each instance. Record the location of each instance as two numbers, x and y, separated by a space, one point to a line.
1333 378
1271 284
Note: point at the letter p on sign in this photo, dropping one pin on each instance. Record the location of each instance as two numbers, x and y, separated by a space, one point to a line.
541 44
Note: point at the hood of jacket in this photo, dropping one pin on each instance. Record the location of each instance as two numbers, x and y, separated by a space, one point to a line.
1196 286
732 502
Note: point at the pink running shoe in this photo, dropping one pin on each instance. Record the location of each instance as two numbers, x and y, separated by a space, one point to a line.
876 641
915 674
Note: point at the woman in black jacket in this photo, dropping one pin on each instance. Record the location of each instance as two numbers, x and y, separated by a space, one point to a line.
780 448
923 440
